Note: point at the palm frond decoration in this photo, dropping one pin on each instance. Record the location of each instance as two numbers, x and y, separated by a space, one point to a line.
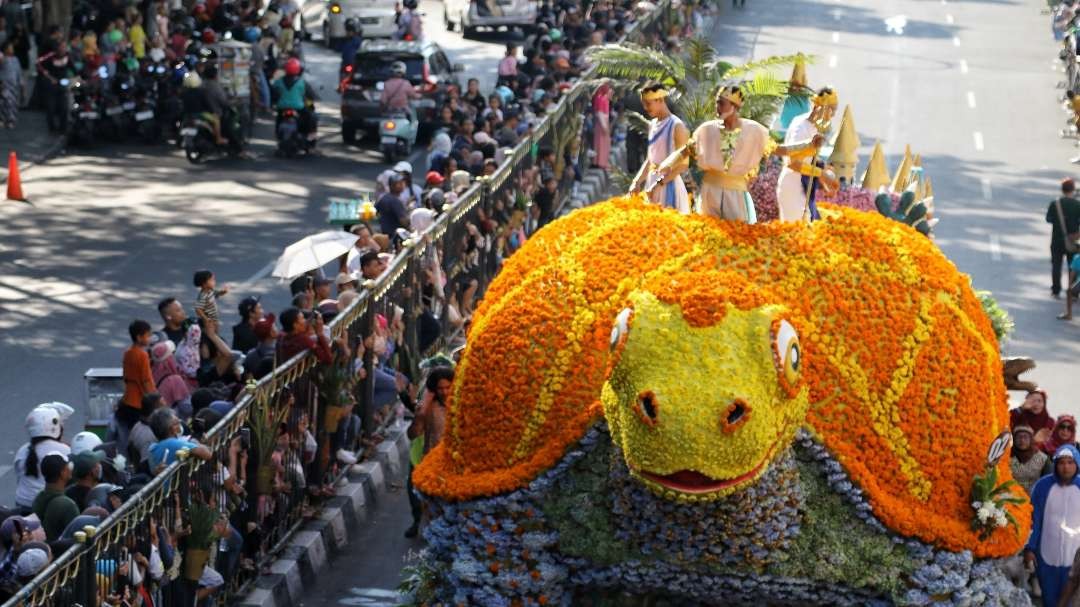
698 55
637 122
636 63
768 63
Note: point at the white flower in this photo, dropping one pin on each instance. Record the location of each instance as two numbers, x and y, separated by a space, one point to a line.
999 519
985 513
976 505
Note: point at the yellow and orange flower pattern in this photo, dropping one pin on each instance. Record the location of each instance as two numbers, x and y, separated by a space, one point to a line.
897 359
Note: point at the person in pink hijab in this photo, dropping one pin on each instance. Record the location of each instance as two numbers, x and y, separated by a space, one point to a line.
1064 434
601 105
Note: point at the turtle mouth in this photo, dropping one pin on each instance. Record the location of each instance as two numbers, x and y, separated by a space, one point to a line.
693 482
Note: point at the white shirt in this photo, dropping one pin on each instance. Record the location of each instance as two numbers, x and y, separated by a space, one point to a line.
749 147
1060 526
27 487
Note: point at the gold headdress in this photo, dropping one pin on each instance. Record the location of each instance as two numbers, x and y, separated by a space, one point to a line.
654 95
732 94
826 99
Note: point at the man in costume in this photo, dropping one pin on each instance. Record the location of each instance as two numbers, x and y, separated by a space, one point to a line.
1055 524
797 187
667 133
729 151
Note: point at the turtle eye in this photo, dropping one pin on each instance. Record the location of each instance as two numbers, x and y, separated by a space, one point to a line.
621 328
787 355
647 408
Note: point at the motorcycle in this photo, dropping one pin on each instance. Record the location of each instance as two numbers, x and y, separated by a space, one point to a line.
84 111
290 141
198 138
397 134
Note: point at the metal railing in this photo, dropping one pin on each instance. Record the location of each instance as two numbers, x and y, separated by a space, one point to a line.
262 497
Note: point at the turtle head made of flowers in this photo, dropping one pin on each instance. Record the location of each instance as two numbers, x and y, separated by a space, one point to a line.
700 403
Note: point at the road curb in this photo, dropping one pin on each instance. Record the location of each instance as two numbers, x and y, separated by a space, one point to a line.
315 545
53 151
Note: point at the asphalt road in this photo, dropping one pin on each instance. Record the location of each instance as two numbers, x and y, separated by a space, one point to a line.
970 85
116 228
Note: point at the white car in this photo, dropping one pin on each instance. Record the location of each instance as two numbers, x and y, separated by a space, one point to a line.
468 15
327 18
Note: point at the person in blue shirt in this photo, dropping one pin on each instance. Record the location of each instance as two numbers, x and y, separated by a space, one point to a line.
166 427
351 45
292 92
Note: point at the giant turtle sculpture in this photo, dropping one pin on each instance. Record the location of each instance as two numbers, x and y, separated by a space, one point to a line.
688 410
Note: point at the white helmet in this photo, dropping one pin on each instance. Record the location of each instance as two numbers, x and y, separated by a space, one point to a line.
403 167
83 442
44 421
398 68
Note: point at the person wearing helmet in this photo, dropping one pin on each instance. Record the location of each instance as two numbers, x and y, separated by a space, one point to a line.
197 105
410 26
45 426
397 90
352 43
216 97
292 92
412 194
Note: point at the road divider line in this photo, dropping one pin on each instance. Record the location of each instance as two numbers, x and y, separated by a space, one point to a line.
257 276
832 60
949 19
995 247
835 37
971 99
978 141
963 66
956 41
987 189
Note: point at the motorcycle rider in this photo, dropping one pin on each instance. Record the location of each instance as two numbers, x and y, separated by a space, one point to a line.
217 99
54 66
292 92
410 26
197 105
352 43
397 90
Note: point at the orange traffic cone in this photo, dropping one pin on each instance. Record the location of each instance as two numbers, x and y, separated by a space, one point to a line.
14 182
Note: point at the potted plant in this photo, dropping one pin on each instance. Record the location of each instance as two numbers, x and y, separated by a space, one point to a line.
265 419
335 382
201 520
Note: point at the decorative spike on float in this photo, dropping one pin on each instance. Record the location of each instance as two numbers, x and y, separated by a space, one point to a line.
917 162
845 154
929 197
903 172
877 172
798 73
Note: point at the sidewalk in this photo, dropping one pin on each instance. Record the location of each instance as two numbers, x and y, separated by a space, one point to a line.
30 140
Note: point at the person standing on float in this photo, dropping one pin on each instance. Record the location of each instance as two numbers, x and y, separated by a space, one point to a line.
802 169
728 151
667 133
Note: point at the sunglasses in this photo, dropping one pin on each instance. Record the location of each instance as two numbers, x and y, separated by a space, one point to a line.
1065 427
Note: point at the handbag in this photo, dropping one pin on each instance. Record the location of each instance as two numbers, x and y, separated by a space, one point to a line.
1070 238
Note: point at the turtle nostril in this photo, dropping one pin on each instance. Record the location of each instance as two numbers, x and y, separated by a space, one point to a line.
647 407
736 414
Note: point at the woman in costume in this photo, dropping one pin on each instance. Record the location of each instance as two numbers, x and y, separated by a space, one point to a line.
796 188
667 133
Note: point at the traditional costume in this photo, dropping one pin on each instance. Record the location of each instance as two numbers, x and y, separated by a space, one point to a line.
661 144
796 188
797 101
730 159
1055 527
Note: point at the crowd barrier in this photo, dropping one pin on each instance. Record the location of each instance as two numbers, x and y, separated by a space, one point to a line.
180 501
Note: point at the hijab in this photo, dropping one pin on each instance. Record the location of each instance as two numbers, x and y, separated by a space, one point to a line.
1055 442
1026 454
1024 417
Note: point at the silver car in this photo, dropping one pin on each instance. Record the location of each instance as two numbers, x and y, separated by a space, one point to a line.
327 18
468 15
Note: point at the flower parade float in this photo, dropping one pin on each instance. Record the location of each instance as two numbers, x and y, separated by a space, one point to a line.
662 409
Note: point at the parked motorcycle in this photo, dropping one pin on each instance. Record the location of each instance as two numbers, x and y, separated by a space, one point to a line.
84 111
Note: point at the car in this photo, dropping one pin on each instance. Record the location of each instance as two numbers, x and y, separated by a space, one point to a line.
426 66
376 18
468 15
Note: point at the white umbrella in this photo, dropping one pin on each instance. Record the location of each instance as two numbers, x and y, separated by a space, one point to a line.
313 252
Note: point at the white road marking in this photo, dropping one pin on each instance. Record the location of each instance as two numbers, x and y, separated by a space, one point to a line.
835 37
371 597
949 19
832 60
955 41
838 14
896 24
978 141
987 189
995 247
971 99
257 276
963 66
4 470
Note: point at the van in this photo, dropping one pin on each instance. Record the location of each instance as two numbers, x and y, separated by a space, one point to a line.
376 18
468 15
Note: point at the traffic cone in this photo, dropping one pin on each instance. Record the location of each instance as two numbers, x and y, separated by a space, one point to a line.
14 182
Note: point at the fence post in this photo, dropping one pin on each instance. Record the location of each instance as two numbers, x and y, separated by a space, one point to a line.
86 579
367 388
485 204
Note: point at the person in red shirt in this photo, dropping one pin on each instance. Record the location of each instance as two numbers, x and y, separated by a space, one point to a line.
138 382
297 337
